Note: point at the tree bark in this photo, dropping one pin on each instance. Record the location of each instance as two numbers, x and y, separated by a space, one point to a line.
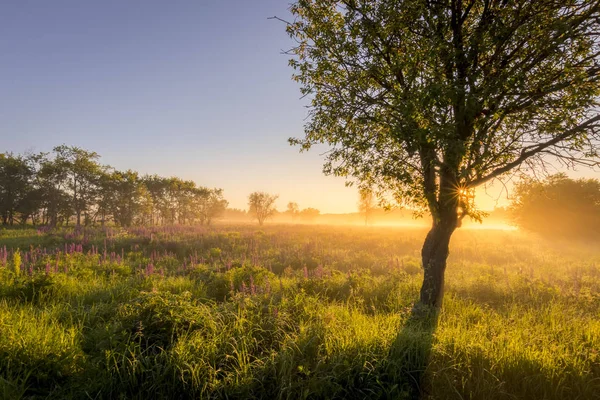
434 255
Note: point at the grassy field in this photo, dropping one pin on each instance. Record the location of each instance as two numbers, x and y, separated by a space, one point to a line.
290 312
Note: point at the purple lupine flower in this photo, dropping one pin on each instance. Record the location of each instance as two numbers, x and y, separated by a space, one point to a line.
47 269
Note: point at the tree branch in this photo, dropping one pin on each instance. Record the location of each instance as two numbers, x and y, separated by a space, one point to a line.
526 154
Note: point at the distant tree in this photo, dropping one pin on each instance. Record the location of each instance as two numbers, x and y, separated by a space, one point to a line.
144 207
309 214
235 214
261 205
184 195
426 100
83 171
157 188
127 202
107 195
53 185
292 209
366 204
16 186
558 206
211 204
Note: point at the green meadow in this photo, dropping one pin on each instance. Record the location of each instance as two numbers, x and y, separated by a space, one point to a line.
293 312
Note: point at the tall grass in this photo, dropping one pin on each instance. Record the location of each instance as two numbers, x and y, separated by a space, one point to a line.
293 312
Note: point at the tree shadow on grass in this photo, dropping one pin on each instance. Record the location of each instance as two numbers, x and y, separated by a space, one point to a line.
410 352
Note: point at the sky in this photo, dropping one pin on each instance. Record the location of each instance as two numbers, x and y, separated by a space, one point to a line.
194 89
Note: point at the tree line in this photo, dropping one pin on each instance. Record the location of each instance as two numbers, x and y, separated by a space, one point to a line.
558 207
70 184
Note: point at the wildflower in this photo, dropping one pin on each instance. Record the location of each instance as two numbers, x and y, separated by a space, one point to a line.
17 262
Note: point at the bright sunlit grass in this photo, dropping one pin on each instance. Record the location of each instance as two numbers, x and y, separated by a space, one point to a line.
294 312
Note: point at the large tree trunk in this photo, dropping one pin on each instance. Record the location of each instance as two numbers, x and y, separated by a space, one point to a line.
434 254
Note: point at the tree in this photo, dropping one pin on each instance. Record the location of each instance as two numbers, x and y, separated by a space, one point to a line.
83 173
211 204
292 209
558 206
427 100
235 214
309 214
157 187
182 198
366 204
16 186
127 202
107 195
52 182
261 205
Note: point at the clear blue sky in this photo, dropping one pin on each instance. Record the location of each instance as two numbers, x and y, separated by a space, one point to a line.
195 89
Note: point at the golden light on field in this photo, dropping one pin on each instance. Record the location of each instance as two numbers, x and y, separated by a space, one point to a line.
491 226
